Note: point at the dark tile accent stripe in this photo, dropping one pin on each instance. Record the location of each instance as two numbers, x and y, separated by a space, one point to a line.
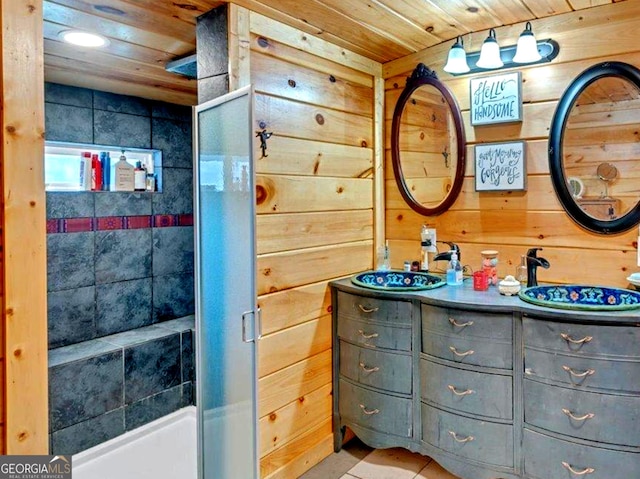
77 225
160 221
110 223
185 220
53 226
137 222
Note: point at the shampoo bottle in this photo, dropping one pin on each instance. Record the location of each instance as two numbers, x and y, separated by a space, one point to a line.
124 175
85 171
105 161
96 173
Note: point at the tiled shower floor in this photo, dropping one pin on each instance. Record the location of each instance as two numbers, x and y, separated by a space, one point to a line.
358 461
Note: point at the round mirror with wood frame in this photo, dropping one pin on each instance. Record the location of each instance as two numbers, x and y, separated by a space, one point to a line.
594 153
428 144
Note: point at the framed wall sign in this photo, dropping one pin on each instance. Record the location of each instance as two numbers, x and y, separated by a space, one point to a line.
496 99
500 166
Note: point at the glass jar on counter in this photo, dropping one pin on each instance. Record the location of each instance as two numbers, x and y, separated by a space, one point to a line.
490 265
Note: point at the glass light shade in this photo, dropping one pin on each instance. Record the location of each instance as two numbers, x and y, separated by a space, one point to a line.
83 39
527 49
457 60
490 53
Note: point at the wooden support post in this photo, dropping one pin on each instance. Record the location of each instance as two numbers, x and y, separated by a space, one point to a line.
24 272
378 165
239 47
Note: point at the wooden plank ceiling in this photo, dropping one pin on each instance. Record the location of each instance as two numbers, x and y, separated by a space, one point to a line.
145 34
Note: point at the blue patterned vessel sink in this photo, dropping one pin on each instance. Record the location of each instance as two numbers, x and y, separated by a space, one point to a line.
590 298
397 280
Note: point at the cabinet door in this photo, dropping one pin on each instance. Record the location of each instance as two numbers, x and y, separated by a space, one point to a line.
225 287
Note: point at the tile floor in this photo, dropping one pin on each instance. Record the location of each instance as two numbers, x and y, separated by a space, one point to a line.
358 461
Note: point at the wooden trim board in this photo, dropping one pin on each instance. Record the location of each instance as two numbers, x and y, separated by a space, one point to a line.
24 305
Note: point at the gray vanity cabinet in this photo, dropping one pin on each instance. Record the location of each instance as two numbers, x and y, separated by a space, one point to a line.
373 368
466 384
581 393
489 386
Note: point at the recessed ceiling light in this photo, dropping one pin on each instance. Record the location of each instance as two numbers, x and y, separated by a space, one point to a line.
83 39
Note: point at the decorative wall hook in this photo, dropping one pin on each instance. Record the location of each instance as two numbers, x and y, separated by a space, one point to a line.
264 135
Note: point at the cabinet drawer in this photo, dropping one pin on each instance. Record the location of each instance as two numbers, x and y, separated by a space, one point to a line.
378 369
582 339
381 310
549 458
476 351
481 441
388 414
374 335
589 373
483 394
465 324
597 417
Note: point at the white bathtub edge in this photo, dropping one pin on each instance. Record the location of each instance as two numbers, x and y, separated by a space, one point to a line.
187 413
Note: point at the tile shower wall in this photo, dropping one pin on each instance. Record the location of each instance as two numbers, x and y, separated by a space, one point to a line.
119 264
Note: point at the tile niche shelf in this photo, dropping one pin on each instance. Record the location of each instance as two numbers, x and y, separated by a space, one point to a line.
62 164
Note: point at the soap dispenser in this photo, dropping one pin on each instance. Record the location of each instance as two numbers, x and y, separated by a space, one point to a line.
454 270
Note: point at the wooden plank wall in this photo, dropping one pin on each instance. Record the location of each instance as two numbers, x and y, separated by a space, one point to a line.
514 222
315 194
23 398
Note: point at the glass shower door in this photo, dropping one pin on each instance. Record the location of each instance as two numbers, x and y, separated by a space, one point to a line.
226 324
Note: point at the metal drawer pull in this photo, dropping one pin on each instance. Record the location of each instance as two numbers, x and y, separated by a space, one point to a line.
457 393
588 470
576 418
366 310
457 439
462 355
460 325
588 372
367 336
568 338
369 413
369 370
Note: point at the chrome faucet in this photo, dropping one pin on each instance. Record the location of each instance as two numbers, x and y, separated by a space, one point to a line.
532 265
447 255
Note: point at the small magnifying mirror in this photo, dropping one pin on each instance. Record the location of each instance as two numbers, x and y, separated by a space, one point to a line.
607 173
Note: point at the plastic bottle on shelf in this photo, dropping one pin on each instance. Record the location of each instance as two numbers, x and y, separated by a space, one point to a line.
425 243
139 177
124 175
521 271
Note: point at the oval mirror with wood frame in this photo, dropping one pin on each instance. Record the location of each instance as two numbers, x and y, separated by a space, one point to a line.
594 152
428 144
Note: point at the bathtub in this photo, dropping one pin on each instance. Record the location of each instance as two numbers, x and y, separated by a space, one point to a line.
163 449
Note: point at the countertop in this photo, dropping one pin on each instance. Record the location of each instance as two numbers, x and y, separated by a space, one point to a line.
465 297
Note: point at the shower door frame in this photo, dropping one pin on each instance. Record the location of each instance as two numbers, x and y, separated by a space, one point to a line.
249 323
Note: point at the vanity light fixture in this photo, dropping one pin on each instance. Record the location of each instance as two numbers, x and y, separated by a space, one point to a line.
457 59
527 48
491 57
83 39
490 53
